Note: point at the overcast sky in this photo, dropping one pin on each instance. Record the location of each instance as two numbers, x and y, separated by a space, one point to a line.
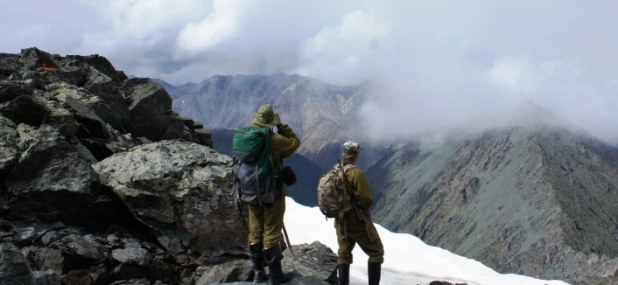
439 63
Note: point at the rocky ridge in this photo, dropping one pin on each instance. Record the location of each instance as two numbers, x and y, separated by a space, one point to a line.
102 183
537 201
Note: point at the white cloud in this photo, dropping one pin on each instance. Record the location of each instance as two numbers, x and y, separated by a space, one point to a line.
220 25
439 63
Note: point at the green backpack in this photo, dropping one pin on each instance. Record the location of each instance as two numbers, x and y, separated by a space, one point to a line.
253 168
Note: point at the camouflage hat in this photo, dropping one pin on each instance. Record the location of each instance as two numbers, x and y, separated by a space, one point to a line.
351 147
266 117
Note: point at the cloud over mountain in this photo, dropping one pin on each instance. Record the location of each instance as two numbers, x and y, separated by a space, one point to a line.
436 65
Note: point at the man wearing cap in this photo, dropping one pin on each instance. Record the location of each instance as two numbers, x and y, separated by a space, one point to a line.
266 222
351 230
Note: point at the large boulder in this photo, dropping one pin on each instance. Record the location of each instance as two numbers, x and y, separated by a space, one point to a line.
312 260
181 190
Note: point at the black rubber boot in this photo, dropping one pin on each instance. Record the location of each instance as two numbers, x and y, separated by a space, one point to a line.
256 253
343 270
374 271
273 259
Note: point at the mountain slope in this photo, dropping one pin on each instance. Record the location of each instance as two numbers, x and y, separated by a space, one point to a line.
537 202
307 172
319 113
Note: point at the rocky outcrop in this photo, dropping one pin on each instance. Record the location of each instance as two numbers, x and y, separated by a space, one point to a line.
101 183
89 89
181 190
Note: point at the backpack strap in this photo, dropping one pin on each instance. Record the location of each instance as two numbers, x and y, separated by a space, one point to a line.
359 213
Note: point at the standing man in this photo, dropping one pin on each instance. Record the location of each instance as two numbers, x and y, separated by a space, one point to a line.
266 222
351 229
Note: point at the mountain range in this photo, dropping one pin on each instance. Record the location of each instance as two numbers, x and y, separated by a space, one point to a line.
533 199
322 115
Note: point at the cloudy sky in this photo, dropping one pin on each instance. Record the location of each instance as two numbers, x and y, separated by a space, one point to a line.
439 63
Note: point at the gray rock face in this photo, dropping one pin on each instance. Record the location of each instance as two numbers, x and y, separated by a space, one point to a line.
182 191
14 266
534 202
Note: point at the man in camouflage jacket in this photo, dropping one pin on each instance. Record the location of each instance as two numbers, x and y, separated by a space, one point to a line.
351 230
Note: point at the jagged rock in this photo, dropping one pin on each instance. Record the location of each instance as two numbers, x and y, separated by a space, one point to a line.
181 191
53 168
8 147
238 270
150 107
14 266
48 258
24 109
10 90
100 275
137 256
25 235
197 125
8 64
33 58
187 121
315 259
82 246
76 100
109 91
102 65
204 137
48 277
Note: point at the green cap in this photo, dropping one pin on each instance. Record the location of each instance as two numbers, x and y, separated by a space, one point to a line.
266 117
351 147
